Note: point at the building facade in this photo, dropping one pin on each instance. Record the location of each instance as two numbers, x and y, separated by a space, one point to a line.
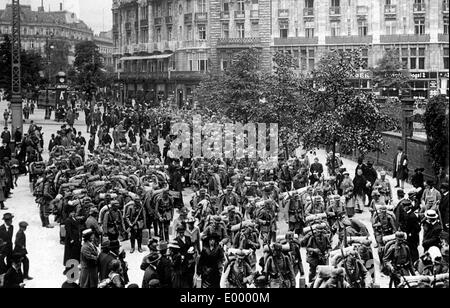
38 27
165 47
106 47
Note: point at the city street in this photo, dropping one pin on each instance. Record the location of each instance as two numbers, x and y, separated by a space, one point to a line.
45 252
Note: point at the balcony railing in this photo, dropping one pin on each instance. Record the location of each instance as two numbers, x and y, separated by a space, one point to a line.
419 8
169 20
158 21
308 11
239 14
144 23
335 10
390 9
246 41
188 18
283 13
225 15
201 17
254 14
362 10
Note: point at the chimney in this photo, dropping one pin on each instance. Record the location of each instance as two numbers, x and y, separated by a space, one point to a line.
60 6
41 8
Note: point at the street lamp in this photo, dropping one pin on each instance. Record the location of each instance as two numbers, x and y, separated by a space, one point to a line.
47 100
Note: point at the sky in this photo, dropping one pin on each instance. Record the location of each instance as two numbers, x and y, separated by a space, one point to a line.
95 13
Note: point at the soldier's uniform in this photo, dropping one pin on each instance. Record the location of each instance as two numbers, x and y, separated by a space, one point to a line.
398 260
113 222
48 196
317 247
356 274
164 210
266 220
295 254
239 272
383 225
279 269
216 229
296 215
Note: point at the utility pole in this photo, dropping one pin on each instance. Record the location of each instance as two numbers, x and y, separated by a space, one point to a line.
16 87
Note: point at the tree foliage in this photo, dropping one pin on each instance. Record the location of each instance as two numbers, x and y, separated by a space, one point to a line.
88 64
437 126
59 52
390 73
338 113
31 65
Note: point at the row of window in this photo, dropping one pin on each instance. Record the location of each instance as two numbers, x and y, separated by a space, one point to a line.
195 62
46 32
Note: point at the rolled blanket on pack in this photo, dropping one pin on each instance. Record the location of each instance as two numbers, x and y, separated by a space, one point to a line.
437 278
358 239
245 224
315 217
389 238
308 229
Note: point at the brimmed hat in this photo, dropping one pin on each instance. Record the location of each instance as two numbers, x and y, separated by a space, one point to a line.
114 245
8 216
87 233
431 214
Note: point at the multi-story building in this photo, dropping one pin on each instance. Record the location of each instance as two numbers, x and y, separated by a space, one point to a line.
106 47
37 27
165 47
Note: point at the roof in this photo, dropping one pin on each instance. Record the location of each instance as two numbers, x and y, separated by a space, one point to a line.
28 16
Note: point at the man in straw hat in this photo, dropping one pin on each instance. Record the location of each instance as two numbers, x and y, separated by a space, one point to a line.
431 230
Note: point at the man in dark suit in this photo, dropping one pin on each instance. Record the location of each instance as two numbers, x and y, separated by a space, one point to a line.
3 267
182 240
164 267
400 168
110 252
72 247
20 248
14 277
443 206
6 234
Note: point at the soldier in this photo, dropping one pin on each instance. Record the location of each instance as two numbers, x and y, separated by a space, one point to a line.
383 225
216 229
48 196
317 206
383 184
296 214
356 274
135 223
279 269
266 220
113 222
318 246
164 212
398 260
247 239
234 218
230 198
203 212
295 254
238 273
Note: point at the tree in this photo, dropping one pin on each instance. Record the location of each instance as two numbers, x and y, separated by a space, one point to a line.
89 67
339 114
390 73
436 126
59 52
31 65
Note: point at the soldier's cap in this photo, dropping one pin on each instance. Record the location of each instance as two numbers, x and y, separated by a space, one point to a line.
152 241
261 280
23 224
183 211
320 227
277 246
240 254
231 208
203 191
400 235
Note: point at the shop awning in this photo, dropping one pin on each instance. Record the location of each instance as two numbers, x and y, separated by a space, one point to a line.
153 57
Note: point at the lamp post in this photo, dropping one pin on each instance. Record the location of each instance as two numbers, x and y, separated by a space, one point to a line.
47 99
407 118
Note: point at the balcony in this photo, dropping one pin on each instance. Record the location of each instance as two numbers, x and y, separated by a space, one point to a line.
239 42
283 13
293 41
225 15
308 11
362 11
335 11
144 23
193 44
390 10
188 18
169 20
239 15
419 9
158 21
201 17
254 14
405 38
354 39
187 75
445 6
145 75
